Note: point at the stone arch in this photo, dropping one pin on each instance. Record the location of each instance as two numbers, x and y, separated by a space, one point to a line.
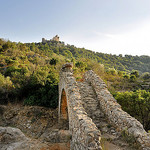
63 114
72 112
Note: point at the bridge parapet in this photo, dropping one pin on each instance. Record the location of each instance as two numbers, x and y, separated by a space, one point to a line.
115 115
85 135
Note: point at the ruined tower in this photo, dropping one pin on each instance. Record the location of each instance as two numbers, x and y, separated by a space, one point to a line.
55 38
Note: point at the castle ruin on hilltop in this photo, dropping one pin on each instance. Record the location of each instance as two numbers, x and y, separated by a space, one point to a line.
55 38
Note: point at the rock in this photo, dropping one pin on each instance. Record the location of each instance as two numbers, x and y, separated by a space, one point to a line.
56 136
11 135
11 138
14 139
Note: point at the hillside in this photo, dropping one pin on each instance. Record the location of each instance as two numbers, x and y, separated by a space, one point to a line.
126 63
29 74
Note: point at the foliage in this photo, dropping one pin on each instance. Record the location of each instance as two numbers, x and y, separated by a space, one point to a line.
146 76
130 139
26 74
135 73
44 96
132 78
137 104
126 76
81 64
29 71
6 86
53 61
112 71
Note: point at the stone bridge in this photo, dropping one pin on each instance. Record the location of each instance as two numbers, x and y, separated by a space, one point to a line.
94 117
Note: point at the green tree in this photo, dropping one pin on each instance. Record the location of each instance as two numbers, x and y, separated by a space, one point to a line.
135 72
112 71
32 47
132 78
53 61
80 64
6 87
137 104
146 76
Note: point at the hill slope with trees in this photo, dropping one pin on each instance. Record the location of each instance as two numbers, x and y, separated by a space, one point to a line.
29 73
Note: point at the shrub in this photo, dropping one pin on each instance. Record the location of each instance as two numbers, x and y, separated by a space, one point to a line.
137 104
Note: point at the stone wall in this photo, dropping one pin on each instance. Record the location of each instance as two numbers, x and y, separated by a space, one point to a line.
85 135
115 115
44 40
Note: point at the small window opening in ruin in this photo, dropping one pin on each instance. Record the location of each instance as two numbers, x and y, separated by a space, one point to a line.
64 111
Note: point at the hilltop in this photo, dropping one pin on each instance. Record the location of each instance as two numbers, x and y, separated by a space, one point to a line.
120 62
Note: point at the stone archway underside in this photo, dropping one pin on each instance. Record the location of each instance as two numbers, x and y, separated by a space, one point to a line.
64 107
64 119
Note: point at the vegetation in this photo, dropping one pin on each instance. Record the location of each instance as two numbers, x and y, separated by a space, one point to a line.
137 104
29 73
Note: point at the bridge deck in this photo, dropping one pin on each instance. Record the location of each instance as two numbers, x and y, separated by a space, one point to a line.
111 139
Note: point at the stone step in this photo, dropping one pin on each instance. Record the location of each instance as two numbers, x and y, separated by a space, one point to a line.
111 139
90 102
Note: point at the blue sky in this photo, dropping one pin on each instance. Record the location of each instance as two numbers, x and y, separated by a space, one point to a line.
108 26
